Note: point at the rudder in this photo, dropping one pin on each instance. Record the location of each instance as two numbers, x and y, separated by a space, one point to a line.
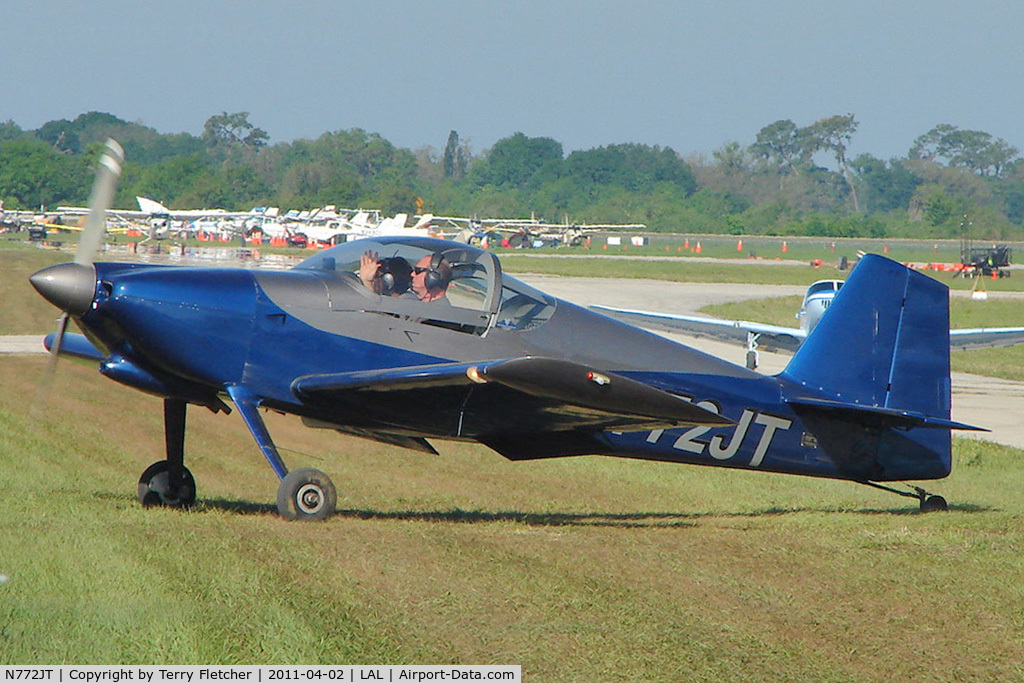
884 342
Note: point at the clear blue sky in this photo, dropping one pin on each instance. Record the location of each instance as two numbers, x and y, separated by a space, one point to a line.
691 75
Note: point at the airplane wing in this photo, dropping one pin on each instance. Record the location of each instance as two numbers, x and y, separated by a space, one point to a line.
985 337
769 337
544 394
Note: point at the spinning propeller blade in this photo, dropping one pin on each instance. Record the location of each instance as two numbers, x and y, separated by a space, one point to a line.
45 384
70 286
99 201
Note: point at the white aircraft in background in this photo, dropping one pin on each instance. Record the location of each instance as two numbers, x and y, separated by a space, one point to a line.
525 232
159 222
788 339
358 225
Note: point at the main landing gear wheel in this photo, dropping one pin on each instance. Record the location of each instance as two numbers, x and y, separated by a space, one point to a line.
933 504
306 494
928 501
155 487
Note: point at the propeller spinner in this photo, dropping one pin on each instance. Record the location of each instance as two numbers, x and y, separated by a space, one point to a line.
71 286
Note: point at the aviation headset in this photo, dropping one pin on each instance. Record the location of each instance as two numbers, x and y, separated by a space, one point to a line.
439 274
395 275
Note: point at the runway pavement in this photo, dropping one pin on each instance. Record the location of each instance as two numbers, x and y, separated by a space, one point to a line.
995 404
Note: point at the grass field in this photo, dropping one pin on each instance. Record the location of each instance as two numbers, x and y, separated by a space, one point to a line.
583 569
587 569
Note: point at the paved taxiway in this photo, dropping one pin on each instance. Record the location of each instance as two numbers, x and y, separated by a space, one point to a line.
983 401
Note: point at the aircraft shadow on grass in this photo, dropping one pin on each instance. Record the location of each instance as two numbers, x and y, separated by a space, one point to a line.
557 519
568 519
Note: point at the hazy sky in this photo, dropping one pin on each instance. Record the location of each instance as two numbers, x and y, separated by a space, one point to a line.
691 75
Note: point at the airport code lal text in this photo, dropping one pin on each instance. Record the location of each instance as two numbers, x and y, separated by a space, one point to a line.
261 673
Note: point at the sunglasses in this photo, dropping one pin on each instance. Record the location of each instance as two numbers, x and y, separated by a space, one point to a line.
417 270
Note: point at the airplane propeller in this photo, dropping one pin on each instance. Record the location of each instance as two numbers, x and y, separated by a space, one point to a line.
71 286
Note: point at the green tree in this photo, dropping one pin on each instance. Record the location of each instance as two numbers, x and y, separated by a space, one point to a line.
517 160
834 133
783 145
638 168
972 150
9 130
884 186
455 160
33 174
233 129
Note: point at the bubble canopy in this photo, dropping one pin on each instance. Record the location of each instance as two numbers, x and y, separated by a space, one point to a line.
481 297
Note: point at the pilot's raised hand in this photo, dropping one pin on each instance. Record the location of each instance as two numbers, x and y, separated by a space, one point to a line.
369 266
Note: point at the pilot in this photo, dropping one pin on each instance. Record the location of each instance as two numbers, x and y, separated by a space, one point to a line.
389 276
430 278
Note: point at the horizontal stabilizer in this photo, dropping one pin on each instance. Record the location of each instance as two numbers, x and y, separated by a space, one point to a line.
885 417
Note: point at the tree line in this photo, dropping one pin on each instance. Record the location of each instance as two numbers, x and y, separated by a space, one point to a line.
792 180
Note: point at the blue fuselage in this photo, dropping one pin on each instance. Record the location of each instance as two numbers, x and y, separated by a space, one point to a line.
198 331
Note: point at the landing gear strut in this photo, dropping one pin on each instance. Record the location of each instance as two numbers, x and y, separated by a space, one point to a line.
928 501
752 350
305 494
168 482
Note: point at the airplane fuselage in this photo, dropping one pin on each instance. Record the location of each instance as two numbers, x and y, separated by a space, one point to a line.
197 331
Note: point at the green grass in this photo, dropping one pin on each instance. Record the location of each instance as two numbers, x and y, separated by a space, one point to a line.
581 569
577 569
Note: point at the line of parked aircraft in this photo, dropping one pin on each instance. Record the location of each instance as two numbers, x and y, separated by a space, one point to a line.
327 225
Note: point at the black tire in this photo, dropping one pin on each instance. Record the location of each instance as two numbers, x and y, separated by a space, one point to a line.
934 504
154 487
306 494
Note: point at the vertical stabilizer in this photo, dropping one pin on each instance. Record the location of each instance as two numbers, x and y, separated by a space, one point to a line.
884 342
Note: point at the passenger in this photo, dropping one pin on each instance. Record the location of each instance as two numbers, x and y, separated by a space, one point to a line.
390 276
430 278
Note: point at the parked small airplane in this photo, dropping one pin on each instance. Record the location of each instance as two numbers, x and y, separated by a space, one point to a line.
756 335
159 222
526 232
468 353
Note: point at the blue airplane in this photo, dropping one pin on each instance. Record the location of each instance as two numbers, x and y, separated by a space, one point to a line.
408 340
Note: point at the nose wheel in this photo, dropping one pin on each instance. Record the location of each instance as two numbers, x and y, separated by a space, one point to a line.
168 483
157 487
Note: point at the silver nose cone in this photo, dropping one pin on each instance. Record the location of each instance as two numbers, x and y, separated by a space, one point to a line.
68 286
